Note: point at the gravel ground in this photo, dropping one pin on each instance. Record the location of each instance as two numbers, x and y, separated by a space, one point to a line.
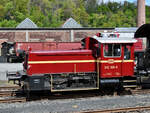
9 67
76 105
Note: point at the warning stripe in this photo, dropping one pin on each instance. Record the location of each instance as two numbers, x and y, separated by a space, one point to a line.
79 61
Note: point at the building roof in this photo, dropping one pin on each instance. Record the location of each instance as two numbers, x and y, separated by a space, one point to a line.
126 29
27 23
71 23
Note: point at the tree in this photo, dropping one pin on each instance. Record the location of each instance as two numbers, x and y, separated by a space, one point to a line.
53 13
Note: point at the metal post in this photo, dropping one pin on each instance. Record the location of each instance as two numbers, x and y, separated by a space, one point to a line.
72 35
27 36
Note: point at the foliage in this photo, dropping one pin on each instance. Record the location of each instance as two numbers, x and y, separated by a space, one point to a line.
53 13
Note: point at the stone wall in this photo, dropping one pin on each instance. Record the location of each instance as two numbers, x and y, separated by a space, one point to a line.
57 36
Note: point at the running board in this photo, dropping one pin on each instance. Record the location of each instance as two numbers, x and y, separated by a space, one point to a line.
130 83
130 86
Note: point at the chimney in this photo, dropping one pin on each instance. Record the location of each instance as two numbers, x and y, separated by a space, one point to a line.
141 12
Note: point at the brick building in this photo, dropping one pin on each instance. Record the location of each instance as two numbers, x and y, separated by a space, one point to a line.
27 31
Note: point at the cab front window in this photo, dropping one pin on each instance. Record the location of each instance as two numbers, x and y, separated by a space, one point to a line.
112 50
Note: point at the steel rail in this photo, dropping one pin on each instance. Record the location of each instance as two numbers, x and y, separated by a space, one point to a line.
6 93
9 93
128 109
11 100
9 87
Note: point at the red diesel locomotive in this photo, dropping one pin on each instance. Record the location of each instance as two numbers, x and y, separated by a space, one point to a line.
104 61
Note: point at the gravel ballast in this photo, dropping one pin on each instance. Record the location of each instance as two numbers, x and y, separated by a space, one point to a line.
76 105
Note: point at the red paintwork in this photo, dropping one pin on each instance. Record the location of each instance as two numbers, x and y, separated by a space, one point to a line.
139 45
116 69
45 46
107 67
62 53
61 67
128 67
110 69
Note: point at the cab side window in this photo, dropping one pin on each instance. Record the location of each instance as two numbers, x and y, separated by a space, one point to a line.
127 52
96 49
117 50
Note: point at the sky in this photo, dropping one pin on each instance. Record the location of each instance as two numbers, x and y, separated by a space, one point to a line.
147 1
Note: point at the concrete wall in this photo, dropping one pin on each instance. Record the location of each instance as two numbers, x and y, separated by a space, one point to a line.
4 67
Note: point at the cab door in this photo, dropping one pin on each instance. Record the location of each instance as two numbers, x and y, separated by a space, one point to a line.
111 60
128 60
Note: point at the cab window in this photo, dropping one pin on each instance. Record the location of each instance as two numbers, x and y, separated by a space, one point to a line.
98 48
127 52
112 50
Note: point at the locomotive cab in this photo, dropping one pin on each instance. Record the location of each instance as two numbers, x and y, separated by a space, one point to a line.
115 58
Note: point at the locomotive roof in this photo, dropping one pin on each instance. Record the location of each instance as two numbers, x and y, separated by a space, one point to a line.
114 39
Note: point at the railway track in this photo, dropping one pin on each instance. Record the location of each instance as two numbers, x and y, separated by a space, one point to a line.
11 100
15 91
120 110
137 91
8 94
9 88
9 91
